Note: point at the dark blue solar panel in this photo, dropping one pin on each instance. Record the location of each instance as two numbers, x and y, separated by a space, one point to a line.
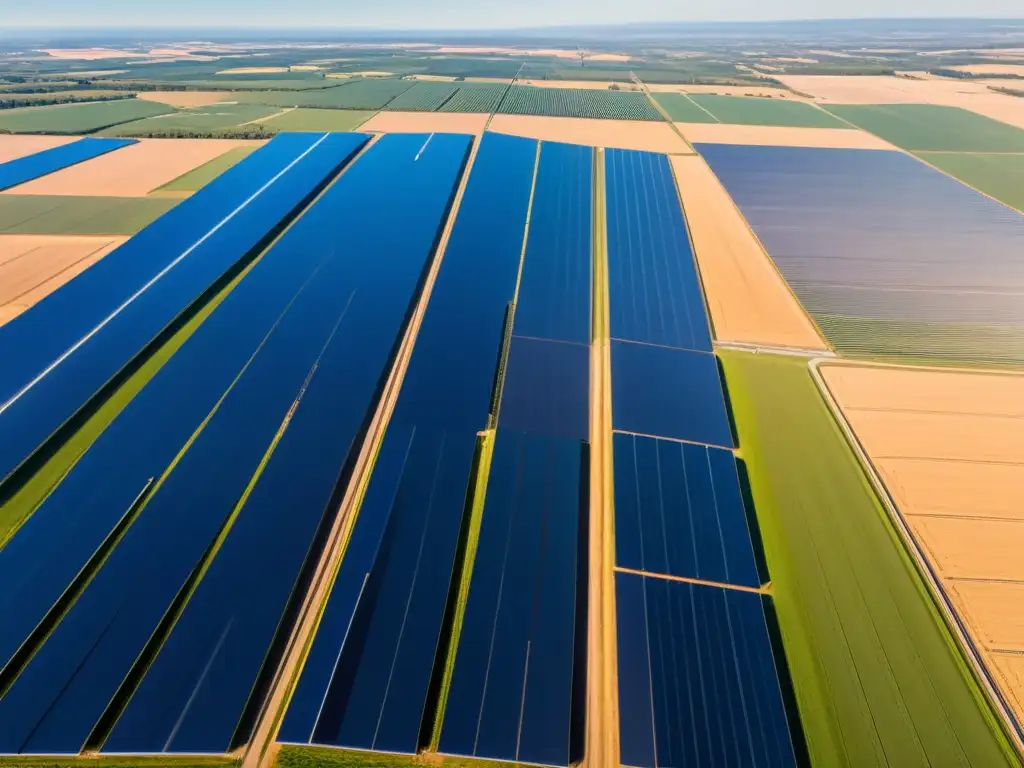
679 511
66 687
668 393
547 388
55 543
554 293
654 290
77 339
182 705
15 172
512 687
697 680
366 679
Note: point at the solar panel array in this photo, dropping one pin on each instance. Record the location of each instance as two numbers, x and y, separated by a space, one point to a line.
888 255
697 678
15 172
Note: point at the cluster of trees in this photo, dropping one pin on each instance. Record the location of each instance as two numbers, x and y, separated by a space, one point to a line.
249 132
65 97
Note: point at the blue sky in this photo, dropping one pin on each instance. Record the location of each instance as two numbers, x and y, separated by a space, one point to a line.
463 13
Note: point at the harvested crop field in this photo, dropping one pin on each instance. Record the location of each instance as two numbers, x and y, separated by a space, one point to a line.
749 301
931 127
568 102
78 118
13 147
186 98
879 680
949 448
32 266
134 171
202 120
70 215
770 135
305 119
616 134
741 110
425 122
999 176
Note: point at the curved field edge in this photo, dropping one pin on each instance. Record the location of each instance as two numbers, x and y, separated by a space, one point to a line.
879 680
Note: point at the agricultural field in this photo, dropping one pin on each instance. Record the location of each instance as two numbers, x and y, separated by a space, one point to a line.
878 678
213 119
71 215
780 136
948 448
14 147
743 110
425 122
617 134
998 175
558 102
199 177
305 119
475 98
925 127
956 301
423 97
79 118
681 109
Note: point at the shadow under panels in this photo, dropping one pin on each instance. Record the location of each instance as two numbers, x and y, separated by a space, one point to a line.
950 449
367 679
519 680
890 257
250 426
71 344
698 683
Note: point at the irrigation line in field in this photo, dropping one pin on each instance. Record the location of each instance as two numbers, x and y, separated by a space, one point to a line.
970 652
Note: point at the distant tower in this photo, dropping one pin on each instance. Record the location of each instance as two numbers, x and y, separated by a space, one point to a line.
582 53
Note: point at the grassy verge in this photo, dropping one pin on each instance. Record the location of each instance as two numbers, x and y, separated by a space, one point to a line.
14 510
322 757
159 761
878 677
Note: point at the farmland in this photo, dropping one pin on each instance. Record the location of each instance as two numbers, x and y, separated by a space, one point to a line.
460 404
79 118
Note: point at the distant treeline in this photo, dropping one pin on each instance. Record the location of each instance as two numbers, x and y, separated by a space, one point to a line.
973 75
256 132
1010 91
14 102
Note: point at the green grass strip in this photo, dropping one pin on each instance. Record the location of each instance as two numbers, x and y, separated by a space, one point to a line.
476 517
292 756
879 679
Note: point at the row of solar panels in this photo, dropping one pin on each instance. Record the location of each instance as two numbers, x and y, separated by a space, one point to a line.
208 498
23 169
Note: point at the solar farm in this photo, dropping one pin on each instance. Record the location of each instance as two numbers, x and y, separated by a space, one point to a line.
405 422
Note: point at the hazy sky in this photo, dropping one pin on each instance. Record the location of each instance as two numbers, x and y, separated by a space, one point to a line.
409 14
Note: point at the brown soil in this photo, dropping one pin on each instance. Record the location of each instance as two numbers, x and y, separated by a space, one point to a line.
33 266
618 134
13 147
748 299
772 135
425 122
185 98
949 446
132 171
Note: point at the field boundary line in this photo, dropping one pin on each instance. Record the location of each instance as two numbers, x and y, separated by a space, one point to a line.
967 650
764 589
260 120
260 750
647 92
770 349
602 712
686 96
827 348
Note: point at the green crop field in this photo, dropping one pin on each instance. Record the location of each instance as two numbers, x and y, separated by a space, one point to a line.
929 127
79 118
1001 176
475 98
266 84
752 110
322 757
354 94
423 97
72 215
571 102
681 110
878 679
16 100
199 177
305 119
202 120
